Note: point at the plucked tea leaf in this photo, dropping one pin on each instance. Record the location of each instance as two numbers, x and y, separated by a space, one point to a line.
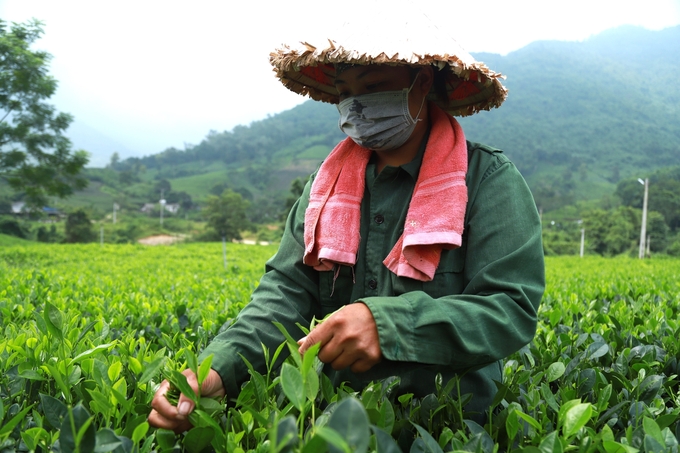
180 382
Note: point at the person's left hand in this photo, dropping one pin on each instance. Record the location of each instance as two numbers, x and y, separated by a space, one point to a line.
349 338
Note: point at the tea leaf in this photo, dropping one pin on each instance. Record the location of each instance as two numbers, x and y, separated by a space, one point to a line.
425 443
576 418
77 429
198 439
286 434
555 371
204 369
180 381
152 369
334 439
551 444
54 410
53 320
8 427
349 420
384 442
106 440
292 385
91 352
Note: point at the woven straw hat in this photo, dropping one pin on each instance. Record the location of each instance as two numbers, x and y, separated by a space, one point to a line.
307 68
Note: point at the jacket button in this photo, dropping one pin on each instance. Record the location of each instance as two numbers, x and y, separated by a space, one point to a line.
379 219
373 284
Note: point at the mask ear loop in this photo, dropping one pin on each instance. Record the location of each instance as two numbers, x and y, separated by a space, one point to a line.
416 119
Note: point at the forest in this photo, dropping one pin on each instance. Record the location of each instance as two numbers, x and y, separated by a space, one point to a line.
583 122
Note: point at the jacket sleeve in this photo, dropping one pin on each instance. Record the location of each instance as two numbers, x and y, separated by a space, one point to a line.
503 274
287 293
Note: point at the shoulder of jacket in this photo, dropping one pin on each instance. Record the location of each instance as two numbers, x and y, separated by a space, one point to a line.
474 147
485 160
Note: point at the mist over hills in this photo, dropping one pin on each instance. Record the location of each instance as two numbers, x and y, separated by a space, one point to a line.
579 117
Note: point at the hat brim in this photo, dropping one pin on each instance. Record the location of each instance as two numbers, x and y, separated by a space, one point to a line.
469 85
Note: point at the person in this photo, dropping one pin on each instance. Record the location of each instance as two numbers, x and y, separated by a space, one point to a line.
424 248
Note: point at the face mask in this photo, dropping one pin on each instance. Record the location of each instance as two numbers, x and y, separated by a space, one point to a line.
378 121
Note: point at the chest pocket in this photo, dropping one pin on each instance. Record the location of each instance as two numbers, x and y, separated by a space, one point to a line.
334 295
448 279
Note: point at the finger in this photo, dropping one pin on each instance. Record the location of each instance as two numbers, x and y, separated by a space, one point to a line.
364 364
213 385
184 404
157 420
334 353
161 404
320 334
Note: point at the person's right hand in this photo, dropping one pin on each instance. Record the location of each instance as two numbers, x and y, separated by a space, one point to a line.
165 415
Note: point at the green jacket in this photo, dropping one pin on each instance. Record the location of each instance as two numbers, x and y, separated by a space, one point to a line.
479 308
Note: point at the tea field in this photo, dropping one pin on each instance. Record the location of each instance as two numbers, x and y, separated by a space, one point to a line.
89 331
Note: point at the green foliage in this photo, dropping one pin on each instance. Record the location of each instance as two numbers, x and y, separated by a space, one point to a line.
88 332
226 215
78 227
36 157
296 189
13 227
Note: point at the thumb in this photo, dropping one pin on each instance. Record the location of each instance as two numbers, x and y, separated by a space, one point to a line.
184 406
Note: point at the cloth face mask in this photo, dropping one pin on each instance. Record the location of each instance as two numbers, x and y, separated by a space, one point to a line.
378 121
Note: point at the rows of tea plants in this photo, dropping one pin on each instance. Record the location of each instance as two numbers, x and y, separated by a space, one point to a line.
89 331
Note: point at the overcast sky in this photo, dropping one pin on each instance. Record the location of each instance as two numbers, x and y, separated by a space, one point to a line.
141 76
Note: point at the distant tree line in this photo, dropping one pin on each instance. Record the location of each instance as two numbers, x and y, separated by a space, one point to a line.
613 227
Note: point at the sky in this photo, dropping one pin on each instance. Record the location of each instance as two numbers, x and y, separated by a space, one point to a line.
140 76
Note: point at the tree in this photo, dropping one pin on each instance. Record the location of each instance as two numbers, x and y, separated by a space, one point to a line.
78 227
226 215
297 186
35 157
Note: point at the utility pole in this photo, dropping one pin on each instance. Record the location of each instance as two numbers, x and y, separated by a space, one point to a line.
162 203
583 240
643 227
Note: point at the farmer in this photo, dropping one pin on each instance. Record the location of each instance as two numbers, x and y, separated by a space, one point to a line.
424 246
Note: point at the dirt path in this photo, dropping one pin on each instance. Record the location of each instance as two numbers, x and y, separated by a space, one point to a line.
160 239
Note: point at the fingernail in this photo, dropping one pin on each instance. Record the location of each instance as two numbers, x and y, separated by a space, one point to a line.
301 340
184 408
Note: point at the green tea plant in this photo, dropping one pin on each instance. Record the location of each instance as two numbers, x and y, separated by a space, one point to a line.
88 332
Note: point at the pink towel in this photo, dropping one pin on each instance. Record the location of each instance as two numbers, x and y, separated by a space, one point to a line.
435 215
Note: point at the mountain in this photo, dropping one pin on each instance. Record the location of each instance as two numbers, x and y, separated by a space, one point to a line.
579 117
582 115
101 146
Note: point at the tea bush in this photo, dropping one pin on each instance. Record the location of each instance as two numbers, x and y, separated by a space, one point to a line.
88 332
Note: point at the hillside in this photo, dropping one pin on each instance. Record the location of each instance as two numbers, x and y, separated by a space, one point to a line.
580 116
